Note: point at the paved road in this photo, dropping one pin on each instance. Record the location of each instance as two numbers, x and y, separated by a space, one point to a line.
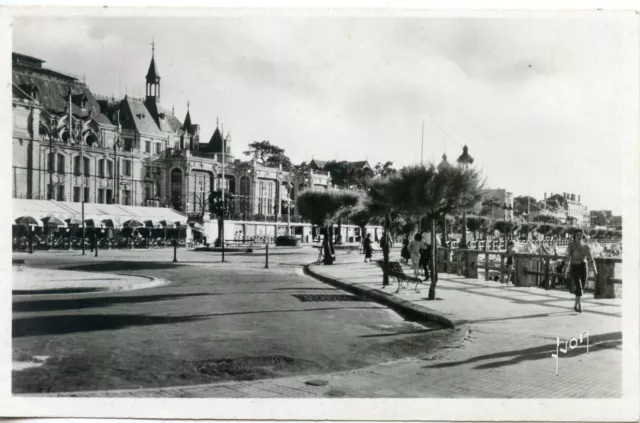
215 322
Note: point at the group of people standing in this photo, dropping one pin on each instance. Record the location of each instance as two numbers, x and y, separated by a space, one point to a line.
419 251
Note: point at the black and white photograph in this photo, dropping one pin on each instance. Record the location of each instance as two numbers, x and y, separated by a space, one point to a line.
326 205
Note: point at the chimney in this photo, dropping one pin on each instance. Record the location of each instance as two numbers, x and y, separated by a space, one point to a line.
545 196
578 198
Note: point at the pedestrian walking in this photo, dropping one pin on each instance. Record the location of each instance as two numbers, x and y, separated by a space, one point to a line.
414 250
368 251
425 257
511 251
578 256
404 253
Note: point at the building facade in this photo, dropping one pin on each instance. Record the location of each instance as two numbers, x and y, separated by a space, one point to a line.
569 208
71 145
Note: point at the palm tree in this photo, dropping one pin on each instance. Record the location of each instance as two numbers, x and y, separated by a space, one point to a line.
321 207
427 191
464 161
475 224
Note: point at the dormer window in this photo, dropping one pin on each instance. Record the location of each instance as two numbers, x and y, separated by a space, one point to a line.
161 115
140 115
80 100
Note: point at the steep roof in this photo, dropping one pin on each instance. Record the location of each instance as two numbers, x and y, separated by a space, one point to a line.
360 165
214 145
187 122
54 94
319 164
141 118
152 73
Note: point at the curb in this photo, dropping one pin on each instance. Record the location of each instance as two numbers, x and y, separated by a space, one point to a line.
152 283
403 307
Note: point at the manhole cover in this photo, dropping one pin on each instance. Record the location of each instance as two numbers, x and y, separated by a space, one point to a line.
326 297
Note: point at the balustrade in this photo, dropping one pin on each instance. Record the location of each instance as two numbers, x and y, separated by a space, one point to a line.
528 269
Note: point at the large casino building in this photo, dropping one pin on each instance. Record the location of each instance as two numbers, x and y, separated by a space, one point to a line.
132 157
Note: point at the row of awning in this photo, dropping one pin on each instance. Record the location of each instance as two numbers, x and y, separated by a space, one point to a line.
56 214
55 222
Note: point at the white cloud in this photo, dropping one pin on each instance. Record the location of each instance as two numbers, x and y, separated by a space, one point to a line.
544 104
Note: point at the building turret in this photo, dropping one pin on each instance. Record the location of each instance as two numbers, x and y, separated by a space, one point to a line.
153 78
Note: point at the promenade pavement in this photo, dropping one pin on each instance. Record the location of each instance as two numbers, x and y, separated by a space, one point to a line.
29 281
508 336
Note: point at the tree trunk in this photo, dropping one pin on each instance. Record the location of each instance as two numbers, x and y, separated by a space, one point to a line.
385 251
444 231
434 267
339 234
463 241
328 259
219 239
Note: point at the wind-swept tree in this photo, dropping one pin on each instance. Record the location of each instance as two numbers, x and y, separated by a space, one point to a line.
475 224
427 191
543 218
506 227
522 203
528 227
321 208
545 228
268 154
464 160
384 170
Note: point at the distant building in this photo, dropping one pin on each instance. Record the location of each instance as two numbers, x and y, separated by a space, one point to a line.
502 195
616 221
568 207
321 164
600 217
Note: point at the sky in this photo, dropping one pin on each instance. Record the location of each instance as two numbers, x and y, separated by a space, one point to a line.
544 103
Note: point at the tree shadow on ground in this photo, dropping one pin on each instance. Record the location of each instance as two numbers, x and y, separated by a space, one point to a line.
534 353
110 266
65 324
80 303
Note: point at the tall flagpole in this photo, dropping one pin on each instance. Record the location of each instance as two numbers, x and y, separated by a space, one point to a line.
223 186
422 145
421 164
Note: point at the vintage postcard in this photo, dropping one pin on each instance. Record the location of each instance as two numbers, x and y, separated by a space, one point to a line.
275 214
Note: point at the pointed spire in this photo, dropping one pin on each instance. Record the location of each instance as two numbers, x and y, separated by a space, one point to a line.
187 121
152 74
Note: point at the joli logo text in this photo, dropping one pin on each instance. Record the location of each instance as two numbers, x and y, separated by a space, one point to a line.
569 345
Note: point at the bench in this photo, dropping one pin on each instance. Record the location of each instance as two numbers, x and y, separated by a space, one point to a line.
396 271
18 262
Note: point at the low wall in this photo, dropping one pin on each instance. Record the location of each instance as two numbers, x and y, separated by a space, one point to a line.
528 269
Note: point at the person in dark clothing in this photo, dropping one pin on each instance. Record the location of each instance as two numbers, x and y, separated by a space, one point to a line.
404 253
578 257
368 250
425 260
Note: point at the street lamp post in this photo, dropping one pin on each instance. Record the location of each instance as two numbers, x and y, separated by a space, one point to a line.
290 187
507 207
116 175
